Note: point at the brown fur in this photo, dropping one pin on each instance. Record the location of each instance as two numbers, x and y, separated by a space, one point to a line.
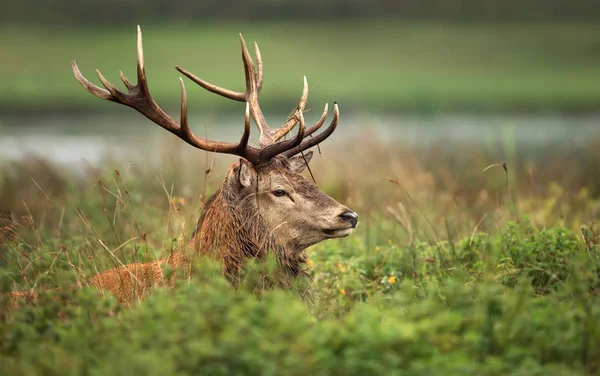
241 221
232 231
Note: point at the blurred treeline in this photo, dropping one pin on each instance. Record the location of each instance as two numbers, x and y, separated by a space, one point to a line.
110 12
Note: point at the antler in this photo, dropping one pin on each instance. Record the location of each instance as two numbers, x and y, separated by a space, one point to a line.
138 97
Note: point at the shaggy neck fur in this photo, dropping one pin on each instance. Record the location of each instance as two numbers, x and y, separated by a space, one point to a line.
234 232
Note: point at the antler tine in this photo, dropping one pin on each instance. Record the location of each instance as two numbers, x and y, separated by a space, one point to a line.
185 126
138 97
236 96
112 89
126 82
310 142
251 84
259 66
141 70
246 135
315 127
241 149
252 91
292 121
87 85
304 96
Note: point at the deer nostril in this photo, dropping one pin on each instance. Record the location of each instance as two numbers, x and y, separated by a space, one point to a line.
350 217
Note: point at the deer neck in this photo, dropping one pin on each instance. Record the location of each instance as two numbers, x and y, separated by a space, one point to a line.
235 232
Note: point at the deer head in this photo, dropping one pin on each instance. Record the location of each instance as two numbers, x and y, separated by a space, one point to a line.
292 209
264 200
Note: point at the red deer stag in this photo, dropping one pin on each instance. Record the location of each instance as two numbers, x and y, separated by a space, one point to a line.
264 204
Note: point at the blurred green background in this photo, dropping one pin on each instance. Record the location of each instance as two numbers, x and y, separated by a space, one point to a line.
370 56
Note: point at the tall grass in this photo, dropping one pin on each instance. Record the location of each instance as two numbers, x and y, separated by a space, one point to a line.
461 264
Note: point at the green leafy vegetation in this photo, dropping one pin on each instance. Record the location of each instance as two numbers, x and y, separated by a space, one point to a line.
452 270
371 65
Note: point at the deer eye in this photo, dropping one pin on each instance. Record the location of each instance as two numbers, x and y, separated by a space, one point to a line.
279 193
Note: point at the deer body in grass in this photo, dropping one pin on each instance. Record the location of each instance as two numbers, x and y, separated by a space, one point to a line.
264 205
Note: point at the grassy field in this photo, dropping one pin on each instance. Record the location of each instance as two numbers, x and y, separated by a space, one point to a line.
385 65
455 269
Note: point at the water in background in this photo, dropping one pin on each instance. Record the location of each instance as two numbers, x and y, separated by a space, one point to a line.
86 139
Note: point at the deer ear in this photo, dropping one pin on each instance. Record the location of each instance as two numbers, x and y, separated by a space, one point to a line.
299 162
245 173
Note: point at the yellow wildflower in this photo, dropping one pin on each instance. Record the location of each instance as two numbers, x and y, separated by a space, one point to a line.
341 267
177 200
342 291
376 249
309 263
392 279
